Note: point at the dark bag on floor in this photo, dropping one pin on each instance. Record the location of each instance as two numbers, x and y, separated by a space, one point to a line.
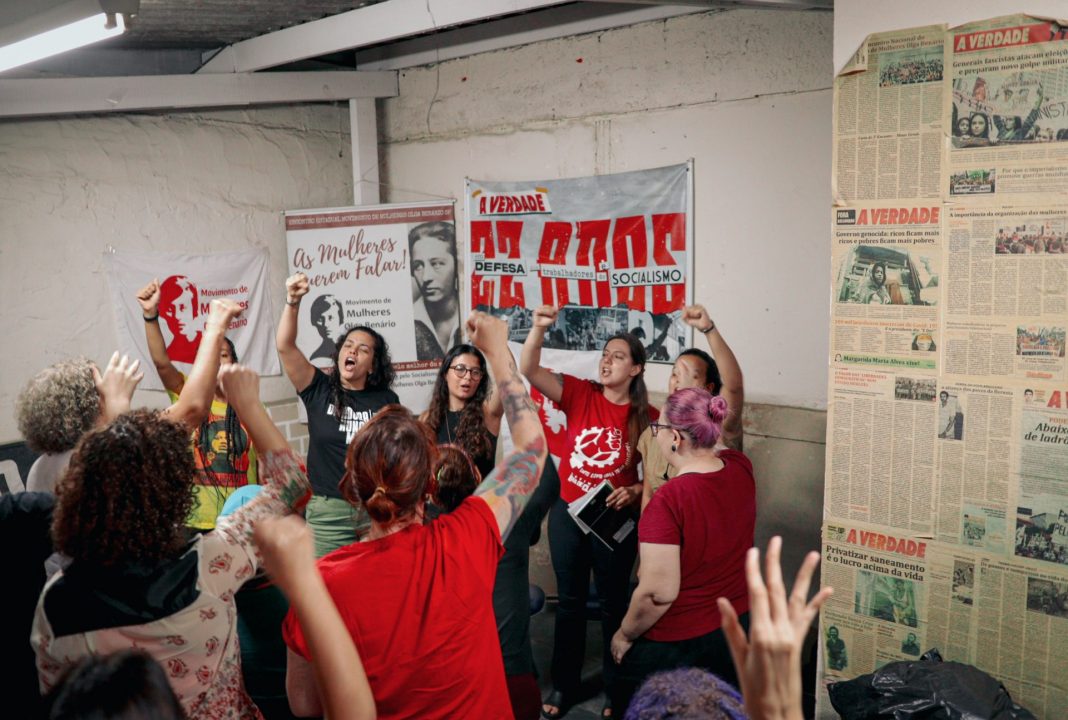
926 688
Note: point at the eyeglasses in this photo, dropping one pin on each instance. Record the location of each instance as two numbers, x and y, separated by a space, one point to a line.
464 371
656 427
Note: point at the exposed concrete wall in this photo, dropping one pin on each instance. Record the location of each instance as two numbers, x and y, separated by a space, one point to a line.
744 92
196 182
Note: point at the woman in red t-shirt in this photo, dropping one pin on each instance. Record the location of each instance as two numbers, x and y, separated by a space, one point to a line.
604 420
417 598
693 538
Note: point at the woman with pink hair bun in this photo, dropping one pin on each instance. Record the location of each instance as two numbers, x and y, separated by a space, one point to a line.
693 537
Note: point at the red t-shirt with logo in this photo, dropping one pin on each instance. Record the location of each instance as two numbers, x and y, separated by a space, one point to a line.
711 517
597 447
419 606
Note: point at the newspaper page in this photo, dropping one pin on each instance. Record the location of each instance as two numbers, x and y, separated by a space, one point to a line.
881 449
974 438
1007 107
1042 507
887 265
1006 292
1022 609
877 613
888 108
1007 261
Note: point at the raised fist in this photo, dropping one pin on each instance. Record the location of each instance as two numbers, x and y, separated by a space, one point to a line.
221 312
148 296
545 315
296 286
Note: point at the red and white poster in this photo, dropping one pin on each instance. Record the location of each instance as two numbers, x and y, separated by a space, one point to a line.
613 252
188 284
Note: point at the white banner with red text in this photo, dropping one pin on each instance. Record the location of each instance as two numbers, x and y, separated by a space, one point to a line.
393 268
188 284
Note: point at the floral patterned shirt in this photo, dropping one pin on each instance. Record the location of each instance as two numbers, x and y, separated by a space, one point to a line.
196 645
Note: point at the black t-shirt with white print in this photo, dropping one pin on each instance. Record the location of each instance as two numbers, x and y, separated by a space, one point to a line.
329 438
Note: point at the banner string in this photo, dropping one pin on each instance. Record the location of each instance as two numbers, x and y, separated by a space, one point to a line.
389 186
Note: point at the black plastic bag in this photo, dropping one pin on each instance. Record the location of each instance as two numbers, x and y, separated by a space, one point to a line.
927 688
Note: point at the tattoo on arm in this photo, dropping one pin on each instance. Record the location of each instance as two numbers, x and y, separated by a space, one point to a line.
514 396
508 488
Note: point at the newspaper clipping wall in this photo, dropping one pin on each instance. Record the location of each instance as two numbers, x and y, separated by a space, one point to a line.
888 118
393 268
946 500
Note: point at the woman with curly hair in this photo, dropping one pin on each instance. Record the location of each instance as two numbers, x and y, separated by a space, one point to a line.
693 539
53 411
135 580
224 457
66 400
416 596
464 409
338 404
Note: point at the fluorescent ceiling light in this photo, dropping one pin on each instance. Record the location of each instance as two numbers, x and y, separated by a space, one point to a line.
34 29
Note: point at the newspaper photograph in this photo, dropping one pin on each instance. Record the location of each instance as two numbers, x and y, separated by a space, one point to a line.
881 449
1007 107
1023 613
1007 261
974 437
1042 507
951 596
888 118
877 613
1027 352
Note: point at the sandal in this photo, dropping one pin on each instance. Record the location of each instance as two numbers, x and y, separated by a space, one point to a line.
555 699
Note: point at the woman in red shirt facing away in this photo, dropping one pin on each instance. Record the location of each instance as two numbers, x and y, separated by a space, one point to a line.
417 598
693 538
604 420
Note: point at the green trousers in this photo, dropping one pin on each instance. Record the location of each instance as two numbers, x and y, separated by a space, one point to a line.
335 523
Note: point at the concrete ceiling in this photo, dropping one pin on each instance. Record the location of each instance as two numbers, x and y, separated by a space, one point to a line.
185 36
177 53
204 24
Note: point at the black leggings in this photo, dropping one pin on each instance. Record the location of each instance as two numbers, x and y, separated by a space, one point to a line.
573 554
645 657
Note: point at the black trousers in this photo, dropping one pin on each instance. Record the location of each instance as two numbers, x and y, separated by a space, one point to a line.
574 554
708 652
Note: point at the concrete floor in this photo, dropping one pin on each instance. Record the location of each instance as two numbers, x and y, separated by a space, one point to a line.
541 637
592 698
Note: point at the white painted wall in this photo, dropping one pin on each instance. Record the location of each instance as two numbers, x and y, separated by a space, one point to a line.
182 182
743 92
854 20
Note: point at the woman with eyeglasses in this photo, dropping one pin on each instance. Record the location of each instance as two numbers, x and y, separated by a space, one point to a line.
693 538
464 409
465 416
605 418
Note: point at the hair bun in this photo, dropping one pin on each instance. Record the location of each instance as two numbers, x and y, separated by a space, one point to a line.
717 409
